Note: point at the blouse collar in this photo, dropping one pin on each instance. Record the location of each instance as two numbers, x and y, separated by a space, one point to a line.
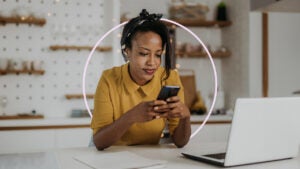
148 88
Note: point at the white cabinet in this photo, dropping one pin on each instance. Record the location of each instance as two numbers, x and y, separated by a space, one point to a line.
17 141
79 137
26 140
211 133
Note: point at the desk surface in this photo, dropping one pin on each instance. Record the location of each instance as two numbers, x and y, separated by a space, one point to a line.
65 158
169 153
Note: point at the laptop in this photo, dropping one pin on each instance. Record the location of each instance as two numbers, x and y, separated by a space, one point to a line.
262 129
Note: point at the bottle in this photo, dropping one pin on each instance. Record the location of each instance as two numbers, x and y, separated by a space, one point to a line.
221 12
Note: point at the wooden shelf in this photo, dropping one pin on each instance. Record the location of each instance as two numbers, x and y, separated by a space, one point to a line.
21 20
196 22
73 47
65 126
17 72
202 23
21 116
78 96
203 55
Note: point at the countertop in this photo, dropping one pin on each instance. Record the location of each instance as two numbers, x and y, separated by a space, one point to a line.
85 122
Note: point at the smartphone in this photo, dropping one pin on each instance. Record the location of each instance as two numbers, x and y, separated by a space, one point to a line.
167 91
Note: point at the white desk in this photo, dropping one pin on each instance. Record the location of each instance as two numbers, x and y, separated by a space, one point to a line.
169 153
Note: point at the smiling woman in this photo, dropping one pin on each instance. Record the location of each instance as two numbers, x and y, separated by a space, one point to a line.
144 57
126 111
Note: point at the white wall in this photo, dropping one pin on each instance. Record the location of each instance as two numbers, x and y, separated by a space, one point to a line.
255 54
235 69
284 57
284 53
68 22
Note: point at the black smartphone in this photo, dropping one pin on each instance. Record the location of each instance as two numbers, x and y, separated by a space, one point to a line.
167 91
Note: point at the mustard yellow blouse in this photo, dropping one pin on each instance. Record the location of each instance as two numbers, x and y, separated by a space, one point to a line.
117 93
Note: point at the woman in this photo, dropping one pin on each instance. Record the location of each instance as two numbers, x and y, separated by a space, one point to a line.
126 111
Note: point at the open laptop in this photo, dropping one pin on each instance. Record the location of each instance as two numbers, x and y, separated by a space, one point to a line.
262 129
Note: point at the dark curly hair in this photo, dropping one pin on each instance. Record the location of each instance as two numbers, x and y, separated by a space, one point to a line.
146 22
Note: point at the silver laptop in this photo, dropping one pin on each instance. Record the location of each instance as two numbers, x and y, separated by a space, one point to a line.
262 129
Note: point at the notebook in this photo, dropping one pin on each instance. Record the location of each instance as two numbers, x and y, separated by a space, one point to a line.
120 160
262 129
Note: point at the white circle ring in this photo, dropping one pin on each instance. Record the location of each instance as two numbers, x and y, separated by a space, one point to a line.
170 21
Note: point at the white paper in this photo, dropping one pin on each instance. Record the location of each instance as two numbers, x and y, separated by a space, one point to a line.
122 160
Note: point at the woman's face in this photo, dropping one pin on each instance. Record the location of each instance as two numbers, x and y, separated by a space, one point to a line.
144 56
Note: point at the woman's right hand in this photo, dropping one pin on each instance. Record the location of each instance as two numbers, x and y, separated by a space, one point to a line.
144 111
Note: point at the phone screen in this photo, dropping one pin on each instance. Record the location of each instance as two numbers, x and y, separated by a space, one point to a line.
168 91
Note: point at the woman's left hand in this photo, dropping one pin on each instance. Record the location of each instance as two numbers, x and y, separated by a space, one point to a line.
173 109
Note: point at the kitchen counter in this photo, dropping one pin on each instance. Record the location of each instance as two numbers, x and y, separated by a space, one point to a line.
50 123
213 119
46 123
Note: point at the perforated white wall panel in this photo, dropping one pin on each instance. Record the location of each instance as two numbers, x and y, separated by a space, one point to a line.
68 22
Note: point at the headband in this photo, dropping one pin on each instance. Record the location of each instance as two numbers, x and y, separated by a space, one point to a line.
144 17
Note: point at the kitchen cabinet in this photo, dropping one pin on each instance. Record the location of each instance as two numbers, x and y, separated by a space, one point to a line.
43 134
32 135
17 141
211 133
76 137
216 129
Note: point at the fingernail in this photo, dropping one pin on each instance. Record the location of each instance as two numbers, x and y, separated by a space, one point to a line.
155 108
157 117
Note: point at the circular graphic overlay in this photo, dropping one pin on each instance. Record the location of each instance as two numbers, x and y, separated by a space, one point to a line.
175 23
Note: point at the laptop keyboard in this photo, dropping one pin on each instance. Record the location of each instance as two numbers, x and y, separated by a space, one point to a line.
216 156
